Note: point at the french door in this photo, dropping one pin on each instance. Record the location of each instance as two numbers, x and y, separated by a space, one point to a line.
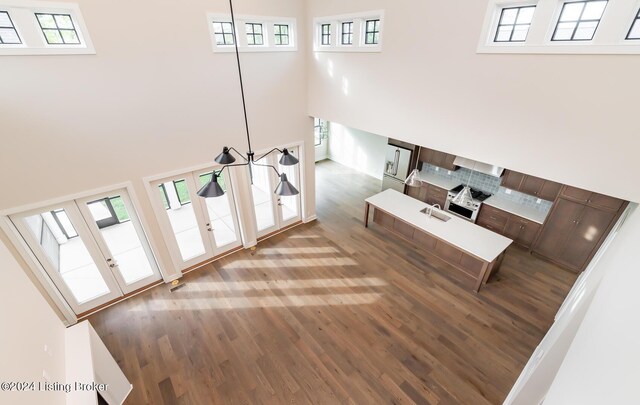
196 228
273 212
93 249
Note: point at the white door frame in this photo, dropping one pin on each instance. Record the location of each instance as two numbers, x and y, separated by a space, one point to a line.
32 261
85 235
135 221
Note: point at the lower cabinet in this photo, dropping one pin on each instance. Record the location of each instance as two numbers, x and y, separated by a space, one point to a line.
429 193
520 230
470 267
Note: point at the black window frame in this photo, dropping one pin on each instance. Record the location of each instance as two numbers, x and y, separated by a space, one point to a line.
348 33
578 21
166 196
375 32
636 20
325 34
513 26
253 34
59 29
13 27
224 33
279 35
54 214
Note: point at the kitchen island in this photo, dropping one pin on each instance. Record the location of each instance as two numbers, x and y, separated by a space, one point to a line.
476 253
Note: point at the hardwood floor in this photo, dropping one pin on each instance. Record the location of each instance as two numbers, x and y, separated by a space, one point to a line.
330 312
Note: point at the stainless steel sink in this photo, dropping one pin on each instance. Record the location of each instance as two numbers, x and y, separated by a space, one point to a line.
435 214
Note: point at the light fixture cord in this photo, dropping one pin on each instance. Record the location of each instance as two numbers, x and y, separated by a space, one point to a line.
244 104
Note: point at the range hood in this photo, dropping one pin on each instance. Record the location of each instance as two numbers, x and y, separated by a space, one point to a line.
485 168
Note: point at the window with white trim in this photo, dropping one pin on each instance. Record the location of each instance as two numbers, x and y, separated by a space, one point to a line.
357 32
634 31
325 32
346 33
254 34
281 34
514 24
223 32
579 20
8 33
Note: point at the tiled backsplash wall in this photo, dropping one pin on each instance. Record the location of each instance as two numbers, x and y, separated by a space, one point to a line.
488 184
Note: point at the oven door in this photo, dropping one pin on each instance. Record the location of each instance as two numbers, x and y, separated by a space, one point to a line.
460 211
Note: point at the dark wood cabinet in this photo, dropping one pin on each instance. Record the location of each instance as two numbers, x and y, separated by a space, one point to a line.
437 158
592 199
383 219
403 229
424 240
429 194
520 230
574 231
512 180
535 186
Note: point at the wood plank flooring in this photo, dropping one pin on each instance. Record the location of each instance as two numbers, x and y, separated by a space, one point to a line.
332 313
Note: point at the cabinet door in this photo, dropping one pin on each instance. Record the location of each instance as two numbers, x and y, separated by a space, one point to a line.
382 218
512 180
403 229
419 193
426 155
424 240
448 253
448 162
531 185
436 195
558 227
576 194
550 190
438 158
605 202
513 228
528 233
588 232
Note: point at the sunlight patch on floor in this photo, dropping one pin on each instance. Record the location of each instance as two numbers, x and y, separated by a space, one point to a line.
287 284
297 250
279 263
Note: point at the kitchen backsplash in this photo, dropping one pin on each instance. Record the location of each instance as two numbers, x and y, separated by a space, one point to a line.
488 184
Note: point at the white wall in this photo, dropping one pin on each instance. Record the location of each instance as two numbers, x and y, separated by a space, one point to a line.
28 324
359 150
146 104
601 366
569 118
322 150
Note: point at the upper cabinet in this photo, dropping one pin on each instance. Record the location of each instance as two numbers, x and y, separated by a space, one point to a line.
437 158
541 188
592 199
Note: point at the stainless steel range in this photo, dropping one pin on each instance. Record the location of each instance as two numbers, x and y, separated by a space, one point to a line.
468 211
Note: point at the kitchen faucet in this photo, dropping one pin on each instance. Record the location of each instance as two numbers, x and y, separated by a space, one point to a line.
430 209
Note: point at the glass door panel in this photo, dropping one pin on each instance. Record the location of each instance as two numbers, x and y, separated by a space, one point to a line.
263 202
63 245
122 241
290 205
183 220
221 213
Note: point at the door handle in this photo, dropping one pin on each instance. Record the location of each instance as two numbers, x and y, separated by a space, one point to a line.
209 229
112 265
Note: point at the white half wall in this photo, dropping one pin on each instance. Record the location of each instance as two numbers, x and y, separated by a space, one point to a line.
602 364
359 150
28 325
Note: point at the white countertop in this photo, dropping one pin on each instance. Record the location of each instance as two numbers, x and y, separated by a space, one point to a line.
514 208
467 236
439 181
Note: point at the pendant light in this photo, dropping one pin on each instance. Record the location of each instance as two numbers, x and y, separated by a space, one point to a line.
414 179
464 197
212 188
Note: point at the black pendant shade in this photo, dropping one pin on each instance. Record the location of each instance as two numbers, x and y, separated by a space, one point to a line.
212 188
288 159
225 158
285 188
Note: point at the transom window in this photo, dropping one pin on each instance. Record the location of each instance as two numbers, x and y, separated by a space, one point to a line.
223 30
8 33
579 20
326 34
634 31
281 32
58 29
254 34
514 24
347 33
372 32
